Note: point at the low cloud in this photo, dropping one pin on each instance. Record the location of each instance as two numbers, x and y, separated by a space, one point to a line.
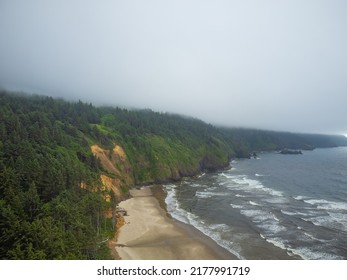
265 64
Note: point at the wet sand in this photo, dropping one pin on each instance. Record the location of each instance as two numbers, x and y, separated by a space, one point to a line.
149 233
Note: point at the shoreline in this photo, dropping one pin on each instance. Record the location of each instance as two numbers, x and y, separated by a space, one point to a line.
150 233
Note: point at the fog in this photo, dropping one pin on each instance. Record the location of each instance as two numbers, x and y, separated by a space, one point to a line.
271 64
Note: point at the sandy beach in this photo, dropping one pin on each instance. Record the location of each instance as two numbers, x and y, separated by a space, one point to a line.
150 234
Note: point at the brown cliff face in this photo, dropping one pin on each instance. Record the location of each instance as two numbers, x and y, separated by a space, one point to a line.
118 174
116 178
109 183
116 163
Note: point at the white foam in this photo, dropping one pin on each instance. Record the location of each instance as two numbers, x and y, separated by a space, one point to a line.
300 197
236 206
290 253
295 213
273 192
313 238
315 253
272 227
312 253
277 242
203 194
194 185
201 175
254 203
212 230
207 194
258 215
240 195
250 185
275 218
327 205
268 220
324 221
227 176
288 213
173 206
340 220
276 200
332 220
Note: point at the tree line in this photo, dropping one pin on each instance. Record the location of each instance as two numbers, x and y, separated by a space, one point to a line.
45 159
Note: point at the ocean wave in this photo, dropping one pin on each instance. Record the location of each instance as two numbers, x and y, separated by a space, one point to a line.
254 203
227 176
328 221
339 219
208 194
203 194
214 231
314 253
268 222
277 216
327 205
275 200
310 236
332 220
272 227
235 206
194 185
258 215
308 253
295 213
300 197
172 204
238 182
277 242
289 213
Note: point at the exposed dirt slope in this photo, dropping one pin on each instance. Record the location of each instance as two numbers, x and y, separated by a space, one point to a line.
115 162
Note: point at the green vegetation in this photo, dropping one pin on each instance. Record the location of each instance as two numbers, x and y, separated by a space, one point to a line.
44 158
52 202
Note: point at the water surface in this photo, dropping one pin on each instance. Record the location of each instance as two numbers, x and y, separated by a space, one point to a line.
273 207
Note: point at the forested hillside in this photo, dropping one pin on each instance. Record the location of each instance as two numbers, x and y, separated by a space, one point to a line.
65 165
44 159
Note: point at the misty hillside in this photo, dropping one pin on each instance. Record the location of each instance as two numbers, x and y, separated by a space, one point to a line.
64 167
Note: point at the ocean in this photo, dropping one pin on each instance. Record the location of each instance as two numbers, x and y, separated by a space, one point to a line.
272 207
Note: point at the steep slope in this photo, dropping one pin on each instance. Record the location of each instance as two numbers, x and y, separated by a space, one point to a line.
64 166
61 173
119 173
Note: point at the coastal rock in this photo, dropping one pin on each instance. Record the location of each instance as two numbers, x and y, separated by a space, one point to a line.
290 152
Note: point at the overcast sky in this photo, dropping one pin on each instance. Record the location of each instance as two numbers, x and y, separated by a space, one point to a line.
269 64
